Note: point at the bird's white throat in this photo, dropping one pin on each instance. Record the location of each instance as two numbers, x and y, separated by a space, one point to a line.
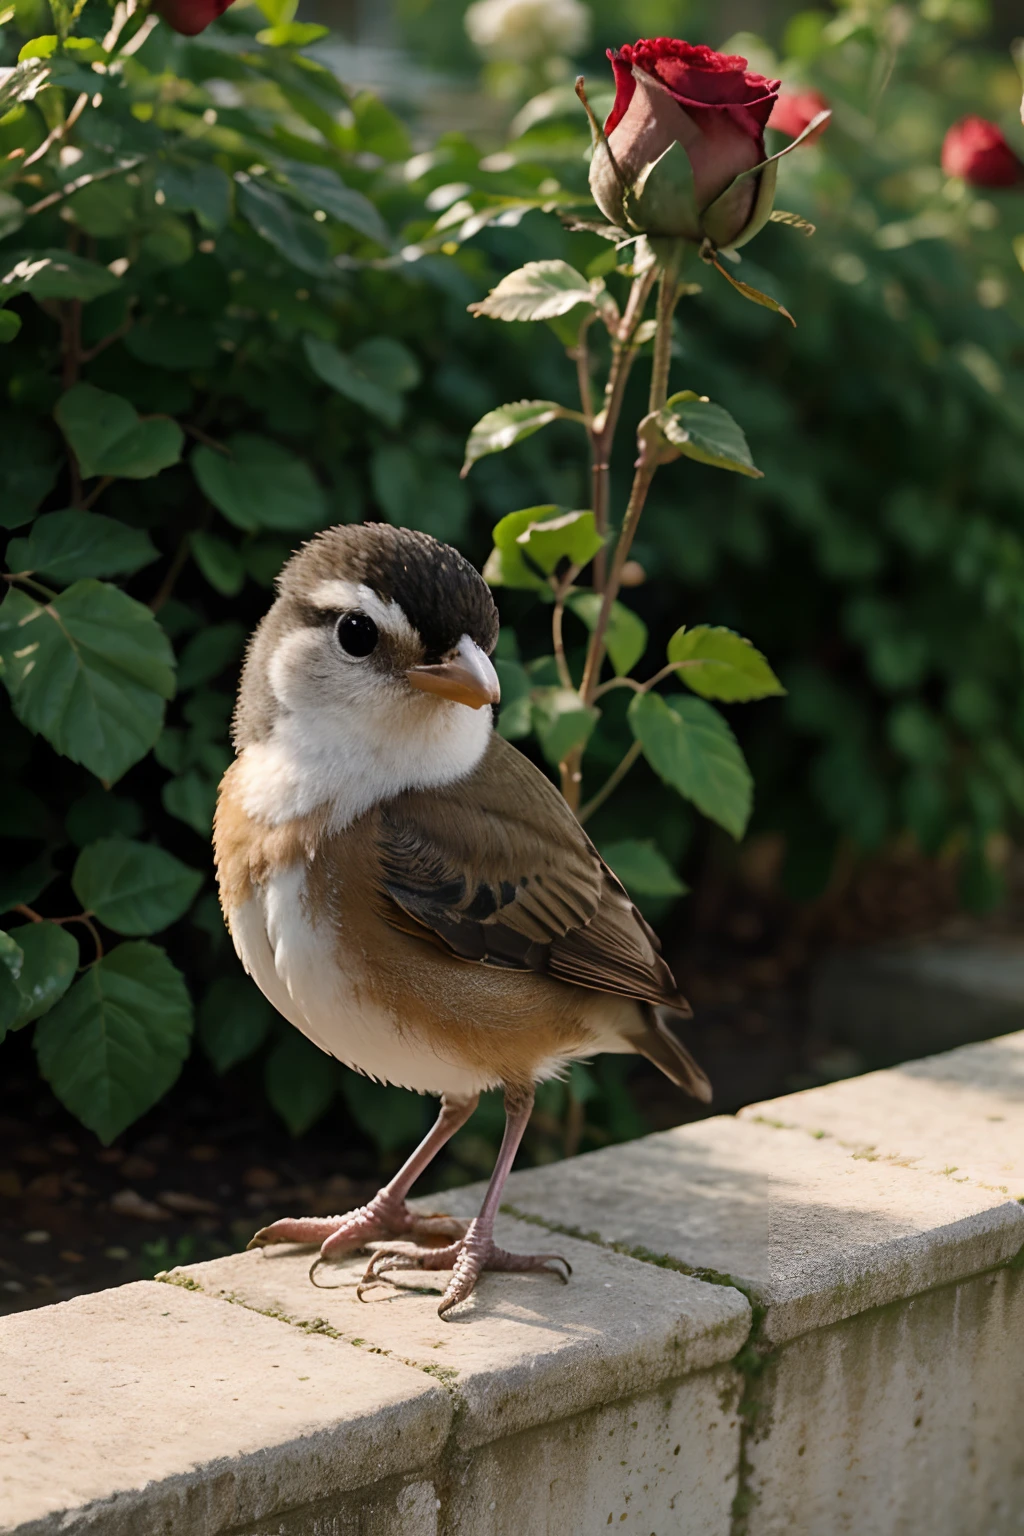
353 760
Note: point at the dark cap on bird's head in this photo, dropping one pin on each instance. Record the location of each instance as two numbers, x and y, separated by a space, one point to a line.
440 593
371 615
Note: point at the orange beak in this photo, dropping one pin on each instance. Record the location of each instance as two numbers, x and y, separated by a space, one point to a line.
465 678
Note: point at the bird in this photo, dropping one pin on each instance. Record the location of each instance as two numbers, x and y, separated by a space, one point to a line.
409 890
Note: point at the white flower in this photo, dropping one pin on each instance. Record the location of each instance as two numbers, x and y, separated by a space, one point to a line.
518 31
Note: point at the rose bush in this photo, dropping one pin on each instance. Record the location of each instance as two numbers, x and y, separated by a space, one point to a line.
684 134
976 150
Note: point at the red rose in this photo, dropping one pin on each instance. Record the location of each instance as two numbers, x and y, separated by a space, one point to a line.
670 93
975 150
190 16
794 110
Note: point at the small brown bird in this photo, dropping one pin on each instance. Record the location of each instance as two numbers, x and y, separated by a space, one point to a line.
408 889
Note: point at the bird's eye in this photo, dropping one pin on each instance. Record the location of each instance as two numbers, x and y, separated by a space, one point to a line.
357 634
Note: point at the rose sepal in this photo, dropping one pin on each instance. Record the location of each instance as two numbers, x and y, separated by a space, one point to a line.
767 170
661 202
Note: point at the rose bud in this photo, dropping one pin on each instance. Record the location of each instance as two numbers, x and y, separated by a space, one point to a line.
685 124
189 17
794 110
975 150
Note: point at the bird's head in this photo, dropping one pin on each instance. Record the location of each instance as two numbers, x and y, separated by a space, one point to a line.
376 654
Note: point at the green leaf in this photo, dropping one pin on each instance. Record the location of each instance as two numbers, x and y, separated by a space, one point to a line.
10 325
723 665
207 654
516 717
260 484
173 341
343 372
292 34
53 274
67 545
505 566
301 1082
707 433
101 814
320 188
570 536
690 746
89 671
12 999
562 721
391 1117
116 1042
219 561
539 291
29 462
195 187
626 635
643 870
49 962
108 437
25 884
293 235
509 424
38 47
233 1021
192 798
133 888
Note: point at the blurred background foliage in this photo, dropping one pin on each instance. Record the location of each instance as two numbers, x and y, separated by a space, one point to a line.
269 271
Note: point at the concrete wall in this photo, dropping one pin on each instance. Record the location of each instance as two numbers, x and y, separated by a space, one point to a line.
806 1319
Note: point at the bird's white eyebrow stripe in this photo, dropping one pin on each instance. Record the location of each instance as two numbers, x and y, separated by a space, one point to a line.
340 594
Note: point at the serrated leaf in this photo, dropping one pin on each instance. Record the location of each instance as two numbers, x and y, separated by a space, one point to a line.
690 746
707 433
133 888
53 274
233 1021
49 961
219 561
570 536
343 372
260 484
72 544
509 424
301 1082
643 870
505 566
562 721
625 636
539 291
192 798
291 233
115 1043
321 189
722 665
89 671
108 437
391 1117
12 1000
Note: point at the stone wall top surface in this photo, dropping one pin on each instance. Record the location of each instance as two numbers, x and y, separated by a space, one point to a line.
150 1402
526 1349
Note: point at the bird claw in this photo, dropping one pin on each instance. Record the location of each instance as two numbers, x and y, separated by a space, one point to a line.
337 1236
467 1258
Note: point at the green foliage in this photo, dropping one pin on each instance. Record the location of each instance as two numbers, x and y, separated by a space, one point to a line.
224 327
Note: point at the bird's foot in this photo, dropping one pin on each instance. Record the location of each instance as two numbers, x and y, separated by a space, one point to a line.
381 1218
467 1258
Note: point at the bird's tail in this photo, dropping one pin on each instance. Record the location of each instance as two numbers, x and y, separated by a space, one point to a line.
659 1044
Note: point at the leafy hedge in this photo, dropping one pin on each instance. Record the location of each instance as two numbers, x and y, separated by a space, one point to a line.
234 302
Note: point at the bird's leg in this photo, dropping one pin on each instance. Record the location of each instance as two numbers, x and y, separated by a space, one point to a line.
468 1256
387 1214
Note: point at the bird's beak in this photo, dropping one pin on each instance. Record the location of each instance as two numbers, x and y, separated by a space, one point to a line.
467 677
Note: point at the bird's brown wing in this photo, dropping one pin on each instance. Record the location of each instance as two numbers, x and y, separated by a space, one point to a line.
498 870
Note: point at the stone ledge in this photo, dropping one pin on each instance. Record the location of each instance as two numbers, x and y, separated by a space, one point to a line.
150 1408
526 1350
815 1234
